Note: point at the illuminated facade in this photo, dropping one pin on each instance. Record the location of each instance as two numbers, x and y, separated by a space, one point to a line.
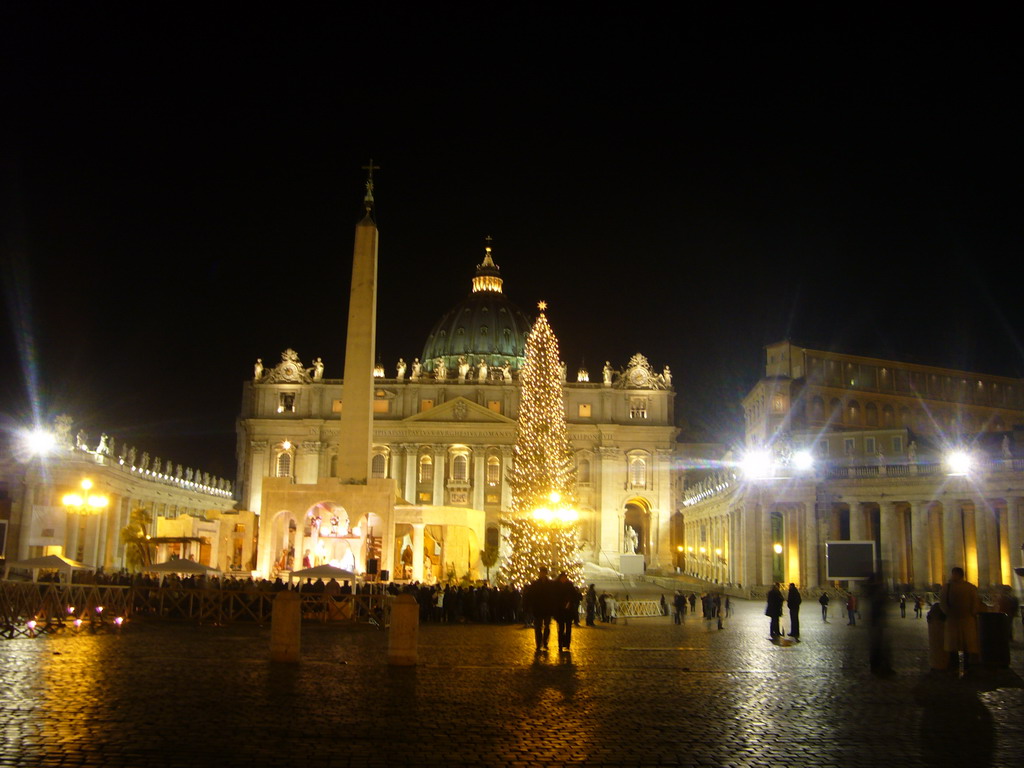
190 514
860 449
444 425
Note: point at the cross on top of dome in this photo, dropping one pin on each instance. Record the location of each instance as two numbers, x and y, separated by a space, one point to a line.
488 274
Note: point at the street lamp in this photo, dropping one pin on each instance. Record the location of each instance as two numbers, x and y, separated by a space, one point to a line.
757 464
959 463
85 503
39 441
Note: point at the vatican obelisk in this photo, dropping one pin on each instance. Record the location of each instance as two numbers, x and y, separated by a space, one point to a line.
355 436
289 509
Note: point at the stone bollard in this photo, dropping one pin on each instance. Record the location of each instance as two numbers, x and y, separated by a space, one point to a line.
403 635
286 627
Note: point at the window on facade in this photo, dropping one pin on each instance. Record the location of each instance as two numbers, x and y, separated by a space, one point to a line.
333 466
426 469
460 468
869 446
379 465
584 472
638 472
584 410
897 445
848 446
888 416
818 409
286 402
822 448
638 408
871 414
284 464
493 470
854 412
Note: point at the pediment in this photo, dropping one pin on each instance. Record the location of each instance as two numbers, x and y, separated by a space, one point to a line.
460 410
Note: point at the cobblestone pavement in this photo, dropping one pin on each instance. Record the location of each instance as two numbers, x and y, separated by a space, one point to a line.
643 692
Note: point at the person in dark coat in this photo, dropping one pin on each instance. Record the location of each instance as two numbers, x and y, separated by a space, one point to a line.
567 609
824 600
540 599
793 600
679 603
774 610
591 605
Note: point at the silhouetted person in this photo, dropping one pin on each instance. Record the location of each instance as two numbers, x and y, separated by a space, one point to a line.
793 600
960 603
567 609
774 610
539 599
591 605
824 601
877 600
679 603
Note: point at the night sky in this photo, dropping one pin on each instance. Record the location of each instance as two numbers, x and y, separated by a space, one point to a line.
180 187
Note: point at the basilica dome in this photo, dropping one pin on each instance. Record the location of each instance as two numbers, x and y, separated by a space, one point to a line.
483 326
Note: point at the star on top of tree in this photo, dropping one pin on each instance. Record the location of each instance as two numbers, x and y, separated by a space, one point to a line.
542 305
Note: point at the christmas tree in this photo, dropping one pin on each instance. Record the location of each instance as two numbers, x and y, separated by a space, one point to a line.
542 529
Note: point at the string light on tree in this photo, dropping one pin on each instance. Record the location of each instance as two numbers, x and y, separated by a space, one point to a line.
542 528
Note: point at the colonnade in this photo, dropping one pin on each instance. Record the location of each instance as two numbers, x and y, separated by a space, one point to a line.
749 537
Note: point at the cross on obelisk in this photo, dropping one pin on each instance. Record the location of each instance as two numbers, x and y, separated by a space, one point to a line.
369 182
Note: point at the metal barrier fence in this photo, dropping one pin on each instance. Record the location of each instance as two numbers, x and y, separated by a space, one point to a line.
51 607
630 609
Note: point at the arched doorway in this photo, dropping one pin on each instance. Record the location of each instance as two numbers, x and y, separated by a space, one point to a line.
637 517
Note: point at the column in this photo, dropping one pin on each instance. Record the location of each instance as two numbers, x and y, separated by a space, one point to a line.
661 525
982 537
768 553
417 551
611 515
1003 574
920 544
258 469
952 538
94 538
411 470
809 536
992 543
479 477
752 545
856 521
727 552
506 492
1014 535
887 523
439 469
73 524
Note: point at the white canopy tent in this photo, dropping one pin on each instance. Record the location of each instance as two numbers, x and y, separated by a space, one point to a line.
47 562
323 572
